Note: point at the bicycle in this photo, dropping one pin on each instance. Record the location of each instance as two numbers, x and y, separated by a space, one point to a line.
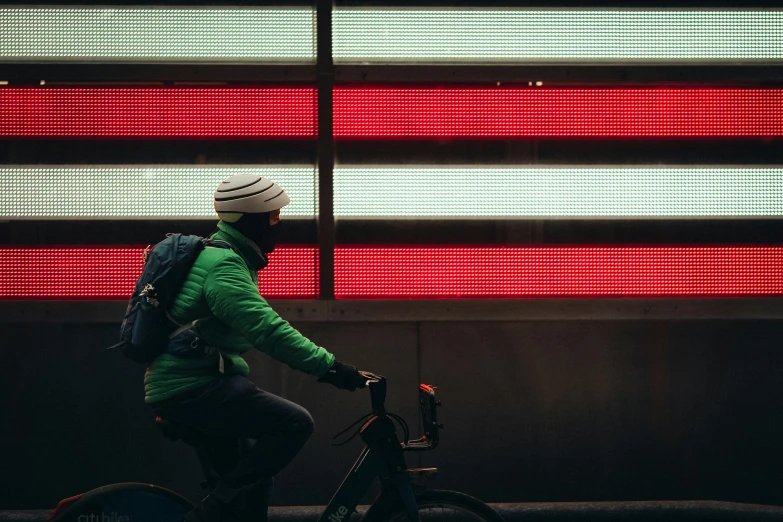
402 498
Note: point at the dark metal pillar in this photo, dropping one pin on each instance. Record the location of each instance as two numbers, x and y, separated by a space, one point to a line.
325 84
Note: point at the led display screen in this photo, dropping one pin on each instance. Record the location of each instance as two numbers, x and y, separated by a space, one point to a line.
157 34
497 272
425 112
138 191
109 273
452 35
159 112
392 192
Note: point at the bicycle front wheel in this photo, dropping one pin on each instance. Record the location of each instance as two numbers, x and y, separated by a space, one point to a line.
434 506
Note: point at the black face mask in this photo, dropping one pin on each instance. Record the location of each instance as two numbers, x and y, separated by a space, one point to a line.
275 235
256 227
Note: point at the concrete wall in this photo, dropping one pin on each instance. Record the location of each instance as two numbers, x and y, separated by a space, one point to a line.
534 411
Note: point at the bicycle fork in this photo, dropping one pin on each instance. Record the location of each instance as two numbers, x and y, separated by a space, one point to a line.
382 457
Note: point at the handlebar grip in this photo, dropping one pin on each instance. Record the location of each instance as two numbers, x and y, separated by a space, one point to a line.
377 385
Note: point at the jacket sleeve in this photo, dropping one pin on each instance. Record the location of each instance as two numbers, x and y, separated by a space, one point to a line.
233 298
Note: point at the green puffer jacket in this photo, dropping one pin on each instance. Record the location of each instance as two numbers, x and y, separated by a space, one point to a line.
224 284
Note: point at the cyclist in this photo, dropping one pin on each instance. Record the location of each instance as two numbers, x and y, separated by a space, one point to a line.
204 387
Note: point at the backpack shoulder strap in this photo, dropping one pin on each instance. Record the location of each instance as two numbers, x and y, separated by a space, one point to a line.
187 326
218 243
194 322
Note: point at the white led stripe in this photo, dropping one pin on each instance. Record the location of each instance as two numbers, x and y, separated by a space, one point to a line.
550 192
127 192
522 35
119 34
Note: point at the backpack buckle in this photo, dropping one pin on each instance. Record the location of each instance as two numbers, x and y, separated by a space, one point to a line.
149 293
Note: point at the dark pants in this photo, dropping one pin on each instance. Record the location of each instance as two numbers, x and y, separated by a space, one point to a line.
232 414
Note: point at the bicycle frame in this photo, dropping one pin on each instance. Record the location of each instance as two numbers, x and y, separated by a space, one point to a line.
381 457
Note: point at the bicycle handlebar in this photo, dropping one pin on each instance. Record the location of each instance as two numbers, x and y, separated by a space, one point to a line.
427 402
377 385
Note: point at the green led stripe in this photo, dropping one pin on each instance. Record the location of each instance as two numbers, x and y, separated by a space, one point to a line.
521 35
126 34
127 192
550 192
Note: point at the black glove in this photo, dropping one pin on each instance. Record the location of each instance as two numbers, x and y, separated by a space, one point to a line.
344 377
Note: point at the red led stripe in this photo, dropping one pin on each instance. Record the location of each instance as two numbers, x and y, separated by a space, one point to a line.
158 112
425 112
86 273
519 272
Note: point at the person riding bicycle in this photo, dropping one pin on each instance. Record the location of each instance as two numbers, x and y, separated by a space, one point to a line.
207 389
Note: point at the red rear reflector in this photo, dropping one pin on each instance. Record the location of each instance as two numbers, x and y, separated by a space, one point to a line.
63 504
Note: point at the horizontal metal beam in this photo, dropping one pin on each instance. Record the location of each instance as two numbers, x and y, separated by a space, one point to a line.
215 152
130 232
417 231
435 311
584 152
564 231
565 74
63 74
556 309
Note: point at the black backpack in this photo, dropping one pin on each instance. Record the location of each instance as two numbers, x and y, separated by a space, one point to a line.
147 328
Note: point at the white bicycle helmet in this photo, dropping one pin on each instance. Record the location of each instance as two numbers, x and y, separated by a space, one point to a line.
248 193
